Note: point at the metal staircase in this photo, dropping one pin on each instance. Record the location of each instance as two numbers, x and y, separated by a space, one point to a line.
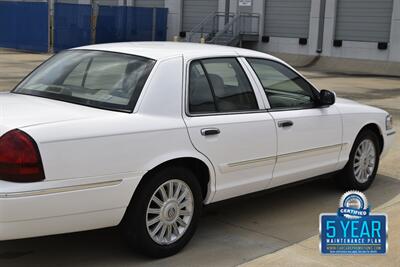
209 26
226 29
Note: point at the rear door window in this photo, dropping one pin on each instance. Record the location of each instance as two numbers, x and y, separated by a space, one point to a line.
221 85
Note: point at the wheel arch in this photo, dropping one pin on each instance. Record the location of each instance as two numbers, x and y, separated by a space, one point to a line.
201 168
374 127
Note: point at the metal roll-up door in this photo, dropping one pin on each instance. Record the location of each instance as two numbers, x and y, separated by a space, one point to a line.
364 20
194 11
287 18
149 3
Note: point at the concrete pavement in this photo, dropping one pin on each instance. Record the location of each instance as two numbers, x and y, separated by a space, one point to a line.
15 65
305 253
342 65
271 228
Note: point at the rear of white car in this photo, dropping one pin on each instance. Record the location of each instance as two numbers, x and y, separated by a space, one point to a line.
93 159
34 199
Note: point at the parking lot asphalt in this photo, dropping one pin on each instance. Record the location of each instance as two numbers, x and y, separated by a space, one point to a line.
274 228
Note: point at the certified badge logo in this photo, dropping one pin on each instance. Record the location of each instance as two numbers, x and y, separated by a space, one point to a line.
353 229
353 205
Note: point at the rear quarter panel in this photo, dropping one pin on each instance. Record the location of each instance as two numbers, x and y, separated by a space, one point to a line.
126 145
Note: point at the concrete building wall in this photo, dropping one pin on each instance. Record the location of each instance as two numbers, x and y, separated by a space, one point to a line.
287 18
195 11
394 53
290 45
352 49
360 20
149 3
349 49
174 18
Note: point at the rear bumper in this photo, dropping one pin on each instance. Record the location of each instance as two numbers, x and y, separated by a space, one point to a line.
64 208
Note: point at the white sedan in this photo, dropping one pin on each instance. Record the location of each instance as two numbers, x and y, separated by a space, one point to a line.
144 134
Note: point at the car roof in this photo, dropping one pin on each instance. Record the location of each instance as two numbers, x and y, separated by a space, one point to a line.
163 50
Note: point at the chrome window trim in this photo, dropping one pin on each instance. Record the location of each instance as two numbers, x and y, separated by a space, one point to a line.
226 113
314 90
261 109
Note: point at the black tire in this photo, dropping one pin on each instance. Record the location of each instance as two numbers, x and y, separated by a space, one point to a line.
134 224
347 178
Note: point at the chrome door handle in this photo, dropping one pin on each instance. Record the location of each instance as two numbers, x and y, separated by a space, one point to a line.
210 131
284 124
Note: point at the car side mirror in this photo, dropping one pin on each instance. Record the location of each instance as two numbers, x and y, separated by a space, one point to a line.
326 98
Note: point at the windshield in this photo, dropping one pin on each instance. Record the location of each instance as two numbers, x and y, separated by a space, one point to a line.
92 78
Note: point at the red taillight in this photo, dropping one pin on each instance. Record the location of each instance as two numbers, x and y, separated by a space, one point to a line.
20 159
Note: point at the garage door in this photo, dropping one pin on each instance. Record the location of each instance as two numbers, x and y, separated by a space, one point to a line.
287 18
364 20
149 3
194 11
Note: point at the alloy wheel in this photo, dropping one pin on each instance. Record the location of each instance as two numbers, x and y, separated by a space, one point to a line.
364 161
169 212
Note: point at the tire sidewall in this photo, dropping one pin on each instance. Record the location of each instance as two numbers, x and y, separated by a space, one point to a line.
352 181
135 219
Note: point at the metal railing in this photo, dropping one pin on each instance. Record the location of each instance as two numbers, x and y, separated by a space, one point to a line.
228 33
236 30
209 26
249 23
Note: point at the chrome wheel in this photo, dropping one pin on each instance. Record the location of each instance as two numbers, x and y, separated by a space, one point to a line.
169 212
364 161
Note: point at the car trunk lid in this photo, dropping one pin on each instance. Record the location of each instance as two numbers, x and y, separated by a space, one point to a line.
19 111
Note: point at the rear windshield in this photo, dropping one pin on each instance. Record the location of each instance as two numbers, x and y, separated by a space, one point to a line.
97 79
